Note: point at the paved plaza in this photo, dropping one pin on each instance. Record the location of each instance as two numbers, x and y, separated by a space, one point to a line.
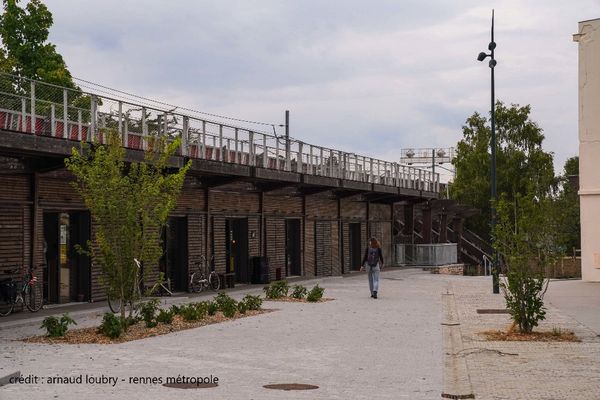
417 341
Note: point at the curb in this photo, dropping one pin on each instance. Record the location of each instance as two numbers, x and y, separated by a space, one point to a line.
457 383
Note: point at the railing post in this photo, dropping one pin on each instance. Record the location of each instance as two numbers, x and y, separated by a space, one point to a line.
322 162
310 159
144 130
236 136
299 159
126 132
276 153
52 120
65 114
122 132
221 158
203 146
23 115
185 136
396 175
288 154
252 160
93 118
79 125
340 165
33 124
265 151
166 124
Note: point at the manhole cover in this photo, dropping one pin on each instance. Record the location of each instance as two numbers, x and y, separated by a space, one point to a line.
394 279
291 386
492 311
190 385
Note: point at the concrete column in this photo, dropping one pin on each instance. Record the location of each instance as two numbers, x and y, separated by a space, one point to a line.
443 227
589 147
457 223
427 222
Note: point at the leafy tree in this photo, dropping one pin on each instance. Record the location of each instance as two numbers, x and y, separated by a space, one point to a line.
527 238
567 205
24 33
129 204
522 166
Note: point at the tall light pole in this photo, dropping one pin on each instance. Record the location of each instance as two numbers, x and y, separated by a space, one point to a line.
482 56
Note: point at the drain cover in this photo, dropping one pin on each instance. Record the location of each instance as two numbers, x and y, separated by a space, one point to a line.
492 311
394 279
291 386
190 385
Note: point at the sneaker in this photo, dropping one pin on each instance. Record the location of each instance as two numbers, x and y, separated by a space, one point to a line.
374 295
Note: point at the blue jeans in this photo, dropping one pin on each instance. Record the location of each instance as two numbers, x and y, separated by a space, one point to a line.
373 273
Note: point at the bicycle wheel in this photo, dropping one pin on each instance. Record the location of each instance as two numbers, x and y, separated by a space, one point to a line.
33 297
6 307
195 282
114 304
213 281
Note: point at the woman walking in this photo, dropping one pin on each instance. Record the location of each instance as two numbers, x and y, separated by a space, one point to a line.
373 263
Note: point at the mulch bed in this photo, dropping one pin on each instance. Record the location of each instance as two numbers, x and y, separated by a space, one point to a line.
289 299
513 335
138 331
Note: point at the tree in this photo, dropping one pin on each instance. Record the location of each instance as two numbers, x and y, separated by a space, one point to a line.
567 205
24 33
521 163
526 237
129 204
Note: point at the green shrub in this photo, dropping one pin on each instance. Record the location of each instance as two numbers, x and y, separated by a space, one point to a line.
212 308
253 302
57 327
315 294
131 320
175 309
165 317
223 299
111 326
298 292
229 309
148 312
276 290
242 307
202 308
190 312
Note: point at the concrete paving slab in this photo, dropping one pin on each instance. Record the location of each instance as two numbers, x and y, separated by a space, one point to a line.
353 347
580 300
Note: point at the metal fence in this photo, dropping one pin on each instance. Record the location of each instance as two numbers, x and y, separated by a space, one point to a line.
39 108
426 254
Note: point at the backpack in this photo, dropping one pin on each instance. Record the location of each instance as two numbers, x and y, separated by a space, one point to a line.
372 256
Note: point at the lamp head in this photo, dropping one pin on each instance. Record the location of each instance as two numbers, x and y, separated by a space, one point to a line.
481 56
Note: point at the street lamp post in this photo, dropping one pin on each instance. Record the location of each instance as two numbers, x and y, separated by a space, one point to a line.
482 56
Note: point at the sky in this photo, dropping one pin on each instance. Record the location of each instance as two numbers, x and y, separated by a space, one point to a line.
370 77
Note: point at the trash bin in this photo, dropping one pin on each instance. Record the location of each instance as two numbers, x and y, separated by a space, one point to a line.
260 270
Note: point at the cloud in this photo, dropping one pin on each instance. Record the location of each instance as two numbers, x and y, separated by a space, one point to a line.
368 77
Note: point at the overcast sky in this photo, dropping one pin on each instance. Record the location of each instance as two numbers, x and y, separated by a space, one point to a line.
370 77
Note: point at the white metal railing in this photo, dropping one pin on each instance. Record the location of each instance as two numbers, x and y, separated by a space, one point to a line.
487 265
78 115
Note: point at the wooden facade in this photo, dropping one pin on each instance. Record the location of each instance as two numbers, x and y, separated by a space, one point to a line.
307 226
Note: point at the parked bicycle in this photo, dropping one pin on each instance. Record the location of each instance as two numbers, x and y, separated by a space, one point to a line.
159 289
26 291
201 278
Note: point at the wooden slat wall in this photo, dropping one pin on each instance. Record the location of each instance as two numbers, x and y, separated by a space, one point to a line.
12 241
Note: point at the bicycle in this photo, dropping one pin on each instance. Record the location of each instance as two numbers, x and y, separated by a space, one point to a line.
202 279
115 303
25 291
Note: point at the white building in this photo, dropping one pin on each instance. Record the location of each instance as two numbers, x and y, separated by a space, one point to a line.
589 146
